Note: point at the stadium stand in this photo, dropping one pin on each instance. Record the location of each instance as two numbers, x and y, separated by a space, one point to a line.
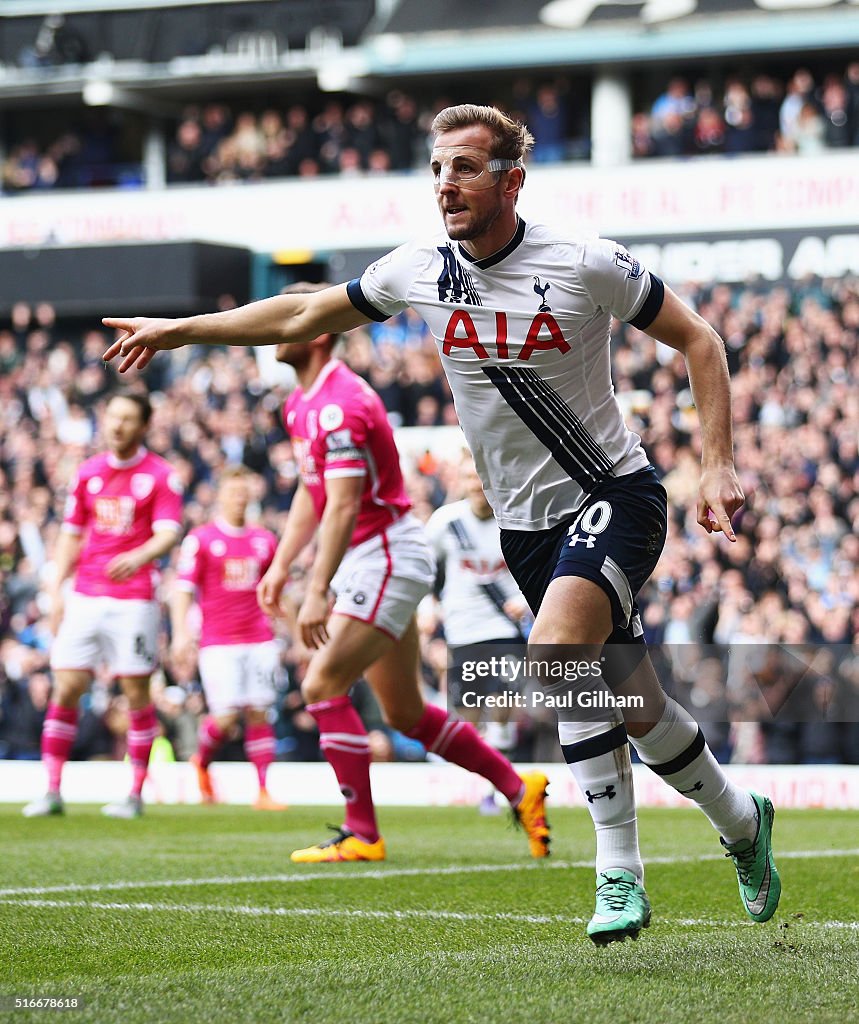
791 576
222 93
314 133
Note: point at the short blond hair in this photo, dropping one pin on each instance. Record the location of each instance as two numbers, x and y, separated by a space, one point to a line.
511 139
236 472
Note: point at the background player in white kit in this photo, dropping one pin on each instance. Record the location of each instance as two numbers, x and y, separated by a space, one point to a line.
222 563
480 602
124 511
522 316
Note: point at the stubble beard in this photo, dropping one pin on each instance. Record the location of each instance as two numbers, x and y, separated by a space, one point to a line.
294 356
124 450
478 226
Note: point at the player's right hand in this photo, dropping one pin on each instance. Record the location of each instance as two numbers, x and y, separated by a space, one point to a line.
141 338
313 618
182 648
269 589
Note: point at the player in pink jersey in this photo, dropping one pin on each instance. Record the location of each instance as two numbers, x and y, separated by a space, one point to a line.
372 552
222 562
124 512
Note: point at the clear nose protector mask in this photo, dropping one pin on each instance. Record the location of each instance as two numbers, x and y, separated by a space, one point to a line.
466 167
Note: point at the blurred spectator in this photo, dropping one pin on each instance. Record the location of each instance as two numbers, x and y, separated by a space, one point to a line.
185 154
709 132
766 100
809 131
547 119
677 100
22 710
402 131
799 93
835 103
741 134
642 136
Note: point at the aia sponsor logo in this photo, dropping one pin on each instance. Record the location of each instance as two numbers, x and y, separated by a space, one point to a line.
483 567
543 335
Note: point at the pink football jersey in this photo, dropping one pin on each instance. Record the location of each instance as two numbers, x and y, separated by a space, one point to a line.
118 506
224 564
339 427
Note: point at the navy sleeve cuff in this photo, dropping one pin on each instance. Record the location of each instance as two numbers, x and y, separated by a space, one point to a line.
651 305
359 301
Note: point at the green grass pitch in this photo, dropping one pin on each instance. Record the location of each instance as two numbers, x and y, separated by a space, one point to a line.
196 914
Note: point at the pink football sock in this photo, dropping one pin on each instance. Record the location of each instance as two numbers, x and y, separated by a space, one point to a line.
343 740
259 748
209 740
459 742
58 737
142 730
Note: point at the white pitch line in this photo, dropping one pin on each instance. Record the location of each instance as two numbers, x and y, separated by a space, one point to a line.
331 874
391 915
380 874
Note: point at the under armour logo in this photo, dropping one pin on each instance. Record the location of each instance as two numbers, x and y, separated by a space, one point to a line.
541 291
608 791
694 789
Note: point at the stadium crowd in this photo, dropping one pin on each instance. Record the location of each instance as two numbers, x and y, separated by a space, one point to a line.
324 135
790 579
92 150
756 115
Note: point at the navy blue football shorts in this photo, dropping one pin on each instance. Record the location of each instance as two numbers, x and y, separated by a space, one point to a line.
614 540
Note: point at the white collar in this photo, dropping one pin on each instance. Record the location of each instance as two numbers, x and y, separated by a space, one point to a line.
229 530
135 459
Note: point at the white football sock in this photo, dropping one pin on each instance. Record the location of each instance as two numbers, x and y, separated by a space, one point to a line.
675 749
598 757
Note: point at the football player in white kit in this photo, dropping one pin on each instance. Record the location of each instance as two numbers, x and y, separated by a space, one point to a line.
522 315
481 607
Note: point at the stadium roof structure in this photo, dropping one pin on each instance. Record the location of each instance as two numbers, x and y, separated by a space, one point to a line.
146 54
447 35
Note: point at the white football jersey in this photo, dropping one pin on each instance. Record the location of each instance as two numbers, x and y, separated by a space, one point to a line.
477 581
524 340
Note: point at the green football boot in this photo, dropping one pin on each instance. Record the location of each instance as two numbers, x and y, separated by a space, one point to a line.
622 908
760 885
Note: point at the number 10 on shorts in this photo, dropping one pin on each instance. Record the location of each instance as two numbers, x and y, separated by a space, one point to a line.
592 521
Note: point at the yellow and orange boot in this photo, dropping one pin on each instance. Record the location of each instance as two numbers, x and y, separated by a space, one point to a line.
344 846
530 813
204 781
266 802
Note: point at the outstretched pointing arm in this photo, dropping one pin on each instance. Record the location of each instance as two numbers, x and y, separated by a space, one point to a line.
282 318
